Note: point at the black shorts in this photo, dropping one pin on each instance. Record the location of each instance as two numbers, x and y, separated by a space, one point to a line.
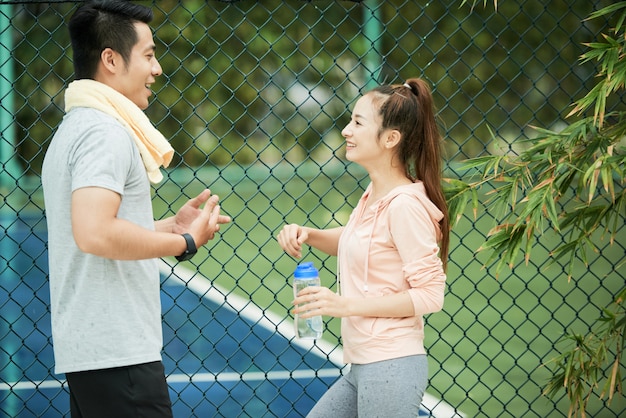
131 391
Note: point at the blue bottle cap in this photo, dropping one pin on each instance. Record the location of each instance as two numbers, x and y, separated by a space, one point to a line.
305 270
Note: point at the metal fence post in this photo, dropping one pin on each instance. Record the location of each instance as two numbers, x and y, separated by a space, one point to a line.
9 170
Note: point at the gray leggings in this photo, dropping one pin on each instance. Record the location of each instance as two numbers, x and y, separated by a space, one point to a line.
390 388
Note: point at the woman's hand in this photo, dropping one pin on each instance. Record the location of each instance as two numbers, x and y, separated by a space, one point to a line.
319 300
291 238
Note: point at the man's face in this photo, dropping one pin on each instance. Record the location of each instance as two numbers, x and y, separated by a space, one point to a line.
142 69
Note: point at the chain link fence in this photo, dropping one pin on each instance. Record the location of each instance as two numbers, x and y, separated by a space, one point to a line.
253 98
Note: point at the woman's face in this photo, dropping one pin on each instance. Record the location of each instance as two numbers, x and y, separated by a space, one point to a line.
361 134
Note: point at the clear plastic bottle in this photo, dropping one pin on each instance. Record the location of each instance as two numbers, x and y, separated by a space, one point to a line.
308 328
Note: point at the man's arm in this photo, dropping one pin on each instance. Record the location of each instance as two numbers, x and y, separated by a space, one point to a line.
98 231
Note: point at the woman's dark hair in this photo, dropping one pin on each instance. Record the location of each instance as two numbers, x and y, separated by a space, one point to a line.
409 109
102 24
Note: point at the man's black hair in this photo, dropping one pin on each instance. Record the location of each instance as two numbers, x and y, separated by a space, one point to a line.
102 24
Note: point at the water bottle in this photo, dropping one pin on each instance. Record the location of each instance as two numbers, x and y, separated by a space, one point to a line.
308 328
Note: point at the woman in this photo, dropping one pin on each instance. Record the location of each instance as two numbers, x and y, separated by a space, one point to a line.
391 255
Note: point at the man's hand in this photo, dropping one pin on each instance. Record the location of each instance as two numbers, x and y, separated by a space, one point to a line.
201 223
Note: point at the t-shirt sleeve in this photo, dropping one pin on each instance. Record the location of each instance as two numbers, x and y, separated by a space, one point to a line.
102 157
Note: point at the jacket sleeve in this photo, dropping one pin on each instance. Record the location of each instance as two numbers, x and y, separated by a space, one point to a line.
414 234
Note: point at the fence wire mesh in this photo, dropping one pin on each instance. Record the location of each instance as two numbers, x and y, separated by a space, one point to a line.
253 98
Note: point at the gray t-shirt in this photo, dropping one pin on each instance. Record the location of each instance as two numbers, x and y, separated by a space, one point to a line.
105 313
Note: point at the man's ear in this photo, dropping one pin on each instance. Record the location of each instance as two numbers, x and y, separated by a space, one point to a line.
392 138
110 60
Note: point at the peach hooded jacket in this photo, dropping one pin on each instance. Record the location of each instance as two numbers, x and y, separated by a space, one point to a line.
390 246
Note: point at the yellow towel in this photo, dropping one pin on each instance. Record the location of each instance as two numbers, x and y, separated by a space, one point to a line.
155 150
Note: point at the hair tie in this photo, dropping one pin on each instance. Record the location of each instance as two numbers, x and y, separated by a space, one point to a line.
407 85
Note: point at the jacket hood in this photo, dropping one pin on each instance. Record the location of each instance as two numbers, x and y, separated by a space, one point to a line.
416 190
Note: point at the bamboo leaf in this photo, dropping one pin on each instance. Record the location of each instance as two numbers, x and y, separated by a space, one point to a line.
608 10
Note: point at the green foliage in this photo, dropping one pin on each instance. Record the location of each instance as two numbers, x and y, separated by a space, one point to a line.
570 182
265 81
474 2
580 369
455 191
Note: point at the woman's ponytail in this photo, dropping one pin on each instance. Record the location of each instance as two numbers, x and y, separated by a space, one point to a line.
409 108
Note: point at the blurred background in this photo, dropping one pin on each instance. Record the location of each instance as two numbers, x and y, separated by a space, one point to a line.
253 98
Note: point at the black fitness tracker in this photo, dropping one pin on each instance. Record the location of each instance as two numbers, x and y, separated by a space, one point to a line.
190 251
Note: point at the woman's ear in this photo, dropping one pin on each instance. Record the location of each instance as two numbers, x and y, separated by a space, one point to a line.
392 138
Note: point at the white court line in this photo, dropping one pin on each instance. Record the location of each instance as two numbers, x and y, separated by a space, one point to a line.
248 310
33 385
252 376
245 308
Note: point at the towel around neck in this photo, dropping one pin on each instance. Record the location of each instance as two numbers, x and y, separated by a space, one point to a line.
155 150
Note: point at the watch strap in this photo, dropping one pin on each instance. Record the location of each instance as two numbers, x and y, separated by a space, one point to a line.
191 248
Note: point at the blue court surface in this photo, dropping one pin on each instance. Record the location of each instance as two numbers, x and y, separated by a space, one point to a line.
224 356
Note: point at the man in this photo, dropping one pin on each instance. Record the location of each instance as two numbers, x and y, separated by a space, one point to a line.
103 240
